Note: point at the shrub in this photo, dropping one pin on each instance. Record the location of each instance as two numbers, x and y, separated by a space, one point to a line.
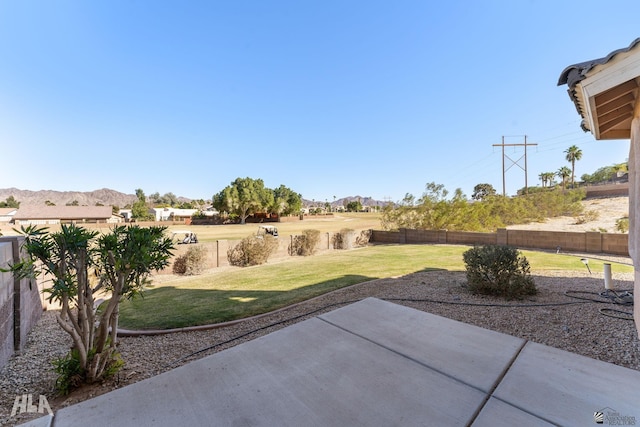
70 374
587 217
498 270
252 250
622 225
343 239
190 263
363 238
306 243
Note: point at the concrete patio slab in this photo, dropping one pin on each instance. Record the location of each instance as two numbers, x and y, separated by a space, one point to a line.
568 389
473 355
311 373
374 363
497 413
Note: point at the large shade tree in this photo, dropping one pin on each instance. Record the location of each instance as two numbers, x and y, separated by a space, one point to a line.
244 197
573 154
286 201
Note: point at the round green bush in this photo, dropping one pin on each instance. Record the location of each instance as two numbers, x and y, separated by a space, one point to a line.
498 270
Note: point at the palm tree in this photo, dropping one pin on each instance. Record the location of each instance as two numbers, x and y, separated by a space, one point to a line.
563 173
573 153
550 176
546 178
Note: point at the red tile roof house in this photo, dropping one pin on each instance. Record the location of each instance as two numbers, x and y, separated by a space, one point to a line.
46 215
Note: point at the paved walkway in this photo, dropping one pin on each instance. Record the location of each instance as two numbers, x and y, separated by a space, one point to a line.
374 363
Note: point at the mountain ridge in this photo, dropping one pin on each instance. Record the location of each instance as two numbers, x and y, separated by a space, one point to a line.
103 196
109 197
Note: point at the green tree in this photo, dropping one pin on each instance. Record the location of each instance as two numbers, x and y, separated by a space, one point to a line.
573 154
481 191
79 263
549 178
170 198
186 205
155 198
140 210
244 197
546 178
286 201
354 206
564 173
10 202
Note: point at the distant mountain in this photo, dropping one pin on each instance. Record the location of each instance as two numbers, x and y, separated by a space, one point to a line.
103 196
109 197
365 201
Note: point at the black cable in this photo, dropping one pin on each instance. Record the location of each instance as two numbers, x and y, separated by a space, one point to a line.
627 315
479 304
610 296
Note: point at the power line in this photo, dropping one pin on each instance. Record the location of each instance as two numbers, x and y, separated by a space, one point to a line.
514 162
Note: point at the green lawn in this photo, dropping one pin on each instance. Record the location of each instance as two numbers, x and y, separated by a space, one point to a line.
233 294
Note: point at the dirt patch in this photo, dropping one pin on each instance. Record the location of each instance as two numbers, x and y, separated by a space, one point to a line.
600 214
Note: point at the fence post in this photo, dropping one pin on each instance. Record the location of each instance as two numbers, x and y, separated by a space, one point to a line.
502 237
593 241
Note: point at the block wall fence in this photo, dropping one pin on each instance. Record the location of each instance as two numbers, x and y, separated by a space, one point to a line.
20 304
587 242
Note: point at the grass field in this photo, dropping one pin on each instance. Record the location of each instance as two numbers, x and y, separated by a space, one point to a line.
330 223
235 293
210 233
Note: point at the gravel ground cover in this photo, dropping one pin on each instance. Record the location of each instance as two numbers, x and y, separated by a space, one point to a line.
551 318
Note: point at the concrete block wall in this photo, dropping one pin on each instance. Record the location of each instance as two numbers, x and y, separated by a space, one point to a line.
470 238
385 237
617 244
20 303
6 304
590 241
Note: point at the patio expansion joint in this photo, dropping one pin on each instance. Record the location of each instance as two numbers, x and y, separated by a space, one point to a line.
495 385
499 380
488 394
410 358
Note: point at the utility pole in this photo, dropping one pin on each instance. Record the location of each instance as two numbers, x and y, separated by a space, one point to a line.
514 162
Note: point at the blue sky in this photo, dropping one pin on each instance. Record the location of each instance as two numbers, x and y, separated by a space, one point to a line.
330 98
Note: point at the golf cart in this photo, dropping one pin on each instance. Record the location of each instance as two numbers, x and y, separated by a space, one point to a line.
184 237
270 230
